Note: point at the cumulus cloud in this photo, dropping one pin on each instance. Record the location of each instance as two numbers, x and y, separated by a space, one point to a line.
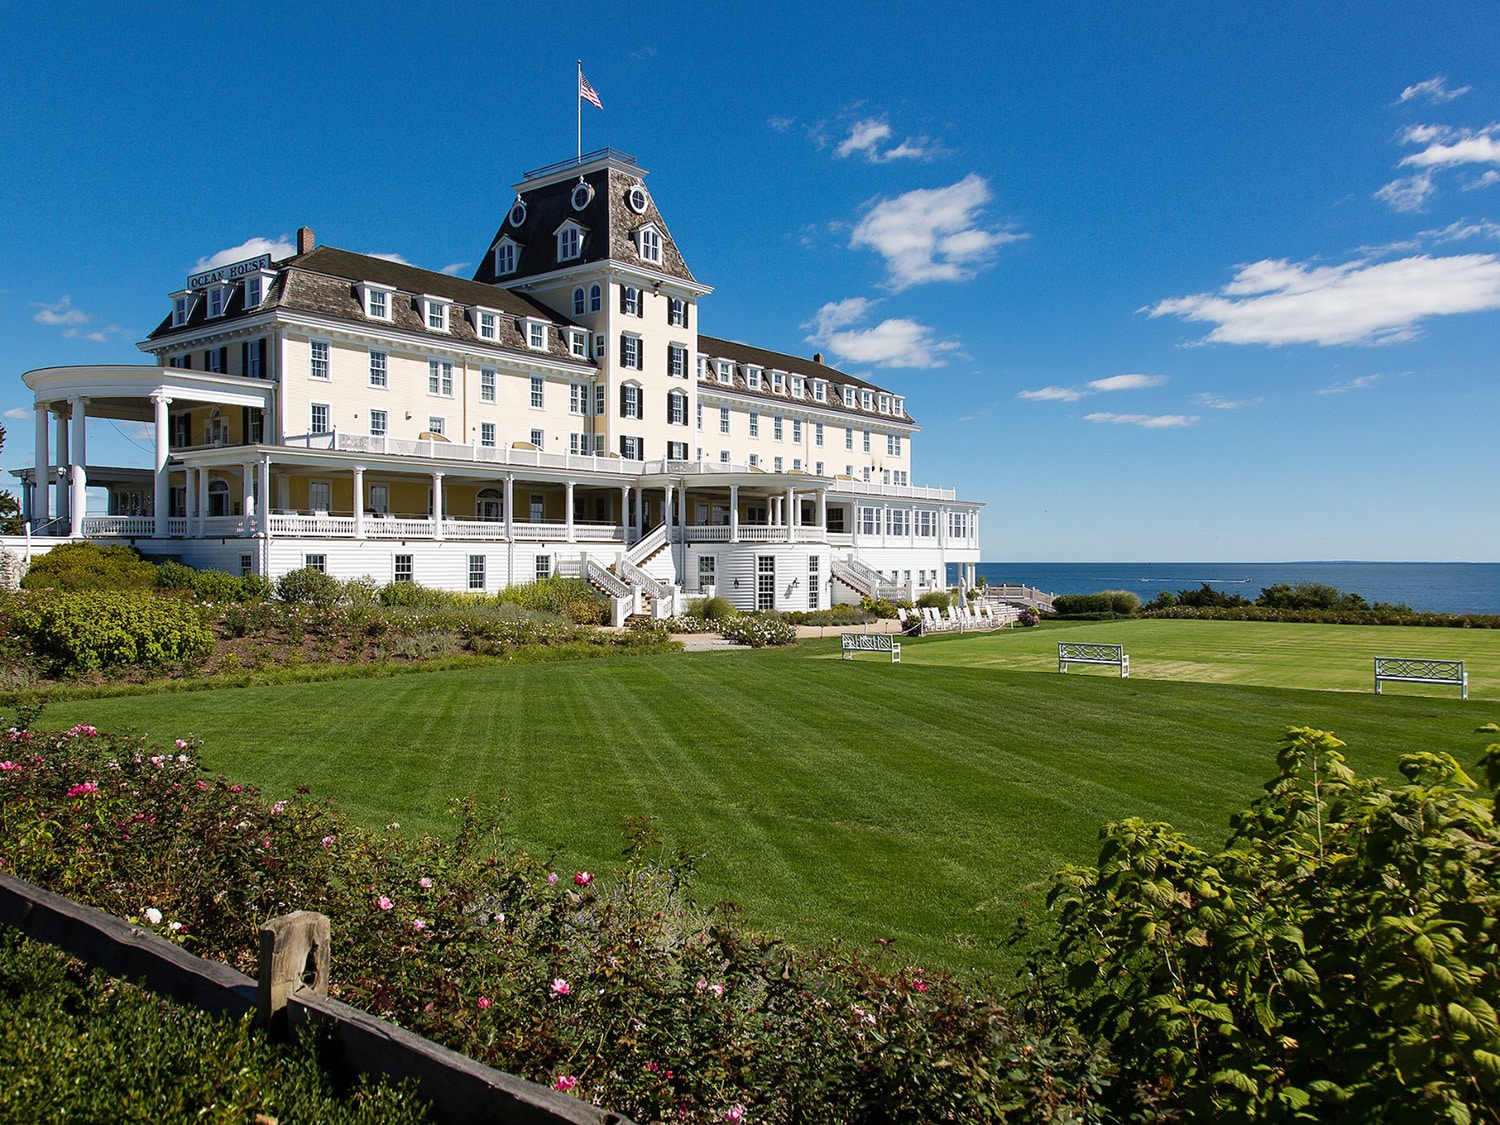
870 138
1281 302
280 248
1146 421
59 312
397 258
453 269
1434 91
1447 148
895 342
932 234
1408 193
1094 386
18 413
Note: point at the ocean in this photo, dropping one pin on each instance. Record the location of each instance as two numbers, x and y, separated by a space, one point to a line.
1428 587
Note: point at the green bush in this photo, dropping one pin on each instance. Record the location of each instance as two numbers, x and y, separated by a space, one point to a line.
308 586
1106 603
833 615
935 599
882 607
572 598
88 566
95 630
712 609
758 630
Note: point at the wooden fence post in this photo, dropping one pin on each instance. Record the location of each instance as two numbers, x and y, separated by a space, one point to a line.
294 954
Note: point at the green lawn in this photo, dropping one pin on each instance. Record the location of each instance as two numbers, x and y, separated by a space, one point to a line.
925 801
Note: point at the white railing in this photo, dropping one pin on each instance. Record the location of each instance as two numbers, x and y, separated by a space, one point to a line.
857 575
607 581
808 533
762 534
100 527
907 491
638 577
714 533
222 525
176 525
341 527
481 454
598 533
385 527
473 529
648 544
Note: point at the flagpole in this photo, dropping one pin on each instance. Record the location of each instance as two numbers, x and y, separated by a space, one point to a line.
578 97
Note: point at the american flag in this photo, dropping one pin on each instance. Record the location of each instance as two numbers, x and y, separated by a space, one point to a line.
587 92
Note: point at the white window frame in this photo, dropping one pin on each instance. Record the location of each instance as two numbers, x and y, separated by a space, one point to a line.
648 243
487 435
569 241
476 572
677 408
182 307
755 423
536 333
578 343
319 360
440 378
487 324
752 378
797 430
677 312
507 256
380 368
379 301
723 419
538 392
539 439
676 361
777 424
820 390
316 410
436 424
487 377
379 423
435 312
817 433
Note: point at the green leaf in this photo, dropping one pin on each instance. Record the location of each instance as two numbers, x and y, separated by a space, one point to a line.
1236 1078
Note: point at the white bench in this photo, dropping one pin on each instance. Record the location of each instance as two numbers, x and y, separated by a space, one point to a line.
1086 652
851 643
1415 670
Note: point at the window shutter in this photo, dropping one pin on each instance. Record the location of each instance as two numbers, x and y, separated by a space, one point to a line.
260 346
624 401
245 358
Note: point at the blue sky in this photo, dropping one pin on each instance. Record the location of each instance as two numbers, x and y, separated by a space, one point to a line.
1160 282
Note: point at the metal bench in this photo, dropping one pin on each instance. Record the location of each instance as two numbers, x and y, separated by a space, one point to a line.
1085 652
851 643
1414 670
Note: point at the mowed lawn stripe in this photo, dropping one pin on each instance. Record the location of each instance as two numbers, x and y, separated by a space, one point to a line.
828 798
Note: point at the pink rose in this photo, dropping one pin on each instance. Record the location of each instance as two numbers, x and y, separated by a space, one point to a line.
560 987
565 1082
384 903
584 878
551 878
484 1003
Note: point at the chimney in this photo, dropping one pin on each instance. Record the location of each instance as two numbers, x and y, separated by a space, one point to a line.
305 240
817 356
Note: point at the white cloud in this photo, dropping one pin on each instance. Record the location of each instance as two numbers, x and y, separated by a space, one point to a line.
453 269
60 312
1409 193
1281 302
1447 148
1052 394
18 413
1126 382
932 234
868 138
1358 383
781 124
1489 179
1214 402
250 248
1463 229
1434 91
397 258
1147 421
864 137
896 342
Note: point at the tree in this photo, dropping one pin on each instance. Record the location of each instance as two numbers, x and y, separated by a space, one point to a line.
10 507
1339 958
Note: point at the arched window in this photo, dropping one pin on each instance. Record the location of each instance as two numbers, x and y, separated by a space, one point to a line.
630 401
596 299
677 409
505 257
218 497
489 505
578 301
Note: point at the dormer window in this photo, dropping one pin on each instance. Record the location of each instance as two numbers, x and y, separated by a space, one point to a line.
778 382
648 244
487 324
378 300
257 285
851 396
866 400
578 343
536 333
507 255
885 404
569 241
182 308
218 298
726 371
820 390
435 312
752 378
797 386
900 406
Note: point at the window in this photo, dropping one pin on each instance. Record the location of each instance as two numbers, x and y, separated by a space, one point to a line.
676 361
599 398
377 304
866 399
255 288
440 378
726 371
676 451
755 423
650 244
538 438
676 409
402 569
487 434
723 419
778 382
754 460
898 521
776 427
630 352
926 524
699 412
630 448
536 335
578 398
217 360
596 298
796 464
578 343
437 313
319 418
818 468
893 445
316 562
476 572
817 433
706 573
814 581
538 389
630 300
318 495
867 441
599 348
752 378
435 424
630 401
580 302
848 437
486 384
677 312
569 242
182 307
543 568
797 385
776 464
869 521
797 430
318 367
216 301
820 390
581 444
505 257
377 423
379 369
489 324
247 565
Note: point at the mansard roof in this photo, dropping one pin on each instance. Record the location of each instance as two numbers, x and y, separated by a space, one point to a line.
325 281
745 355
609 223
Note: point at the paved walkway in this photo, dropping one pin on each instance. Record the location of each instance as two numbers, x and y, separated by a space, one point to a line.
708 642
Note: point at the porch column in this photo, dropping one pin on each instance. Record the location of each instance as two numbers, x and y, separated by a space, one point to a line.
640 511
265 495
625 512
162 482
78 472
568 511
943 534
791 514
734 513
510 506
666 510
203 500
437 504
41 500
189 500
359 501
63 460
823 509
247 497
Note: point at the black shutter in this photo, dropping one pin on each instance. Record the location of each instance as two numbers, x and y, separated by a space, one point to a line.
245 358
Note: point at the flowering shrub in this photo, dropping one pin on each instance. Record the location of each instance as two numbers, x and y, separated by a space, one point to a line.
758 631
1028 618
617 989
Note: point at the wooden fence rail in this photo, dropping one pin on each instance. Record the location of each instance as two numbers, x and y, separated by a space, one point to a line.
292 992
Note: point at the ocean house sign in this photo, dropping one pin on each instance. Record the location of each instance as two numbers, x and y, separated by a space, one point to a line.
232 272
